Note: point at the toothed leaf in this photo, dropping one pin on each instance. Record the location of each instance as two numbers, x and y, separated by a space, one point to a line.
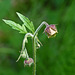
27 22
16 26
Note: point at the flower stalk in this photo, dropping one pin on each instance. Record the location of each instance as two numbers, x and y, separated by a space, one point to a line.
34 44
23 52
34 56
41 25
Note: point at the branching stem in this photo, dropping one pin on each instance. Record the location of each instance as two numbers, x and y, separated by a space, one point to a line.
34 44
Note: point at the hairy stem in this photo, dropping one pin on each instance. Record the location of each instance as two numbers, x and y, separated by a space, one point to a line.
23 46
34 56
34 45
41 25
25 39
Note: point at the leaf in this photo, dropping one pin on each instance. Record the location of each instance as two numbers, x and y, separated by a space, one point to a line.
27 22
16 26
23 28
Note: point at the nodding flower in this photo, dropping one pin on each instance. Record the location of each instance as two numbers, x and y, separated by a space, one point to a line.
28 62
51 30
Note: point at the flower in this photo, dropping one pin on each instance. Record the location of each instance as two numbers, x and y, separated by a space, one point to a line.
28 61
51 30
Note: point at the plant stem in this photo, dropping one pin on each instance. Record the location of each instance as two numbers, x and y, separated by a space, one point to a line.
34 56
41 25
34 45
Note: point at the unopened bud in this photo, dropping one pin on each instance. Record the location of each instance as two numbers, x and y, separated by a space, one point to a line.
28 61
51 30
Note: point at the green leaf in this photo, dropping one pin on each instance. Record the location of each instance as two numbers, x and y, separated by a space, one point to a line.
27 22
16 26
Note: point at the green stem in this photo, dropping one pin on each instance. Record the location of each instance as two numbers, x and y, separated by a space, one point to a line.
41 25
34 56
34 45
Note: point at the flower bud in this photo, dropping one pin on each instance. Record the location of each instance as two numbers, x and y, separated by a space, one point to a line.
51 30
28 61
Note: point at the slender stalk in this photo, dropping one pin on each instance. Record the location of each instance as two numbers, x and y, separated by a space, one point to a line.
34 56
41 25
34 45
23 46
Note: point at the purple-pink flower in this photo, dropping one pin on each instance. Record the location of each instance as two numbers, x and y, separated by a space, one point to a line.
28 62
51 30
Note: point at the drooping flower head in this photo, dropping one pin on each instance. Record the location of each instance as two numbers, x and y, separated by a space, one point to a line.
51 30
28 62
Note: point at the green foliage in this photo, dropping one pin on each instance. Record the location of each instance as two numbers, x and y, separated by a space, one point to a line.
21 29
27 22
16 26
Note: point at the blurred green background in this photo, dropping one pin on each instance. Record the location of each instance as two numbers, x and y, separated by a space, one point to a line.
57 55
